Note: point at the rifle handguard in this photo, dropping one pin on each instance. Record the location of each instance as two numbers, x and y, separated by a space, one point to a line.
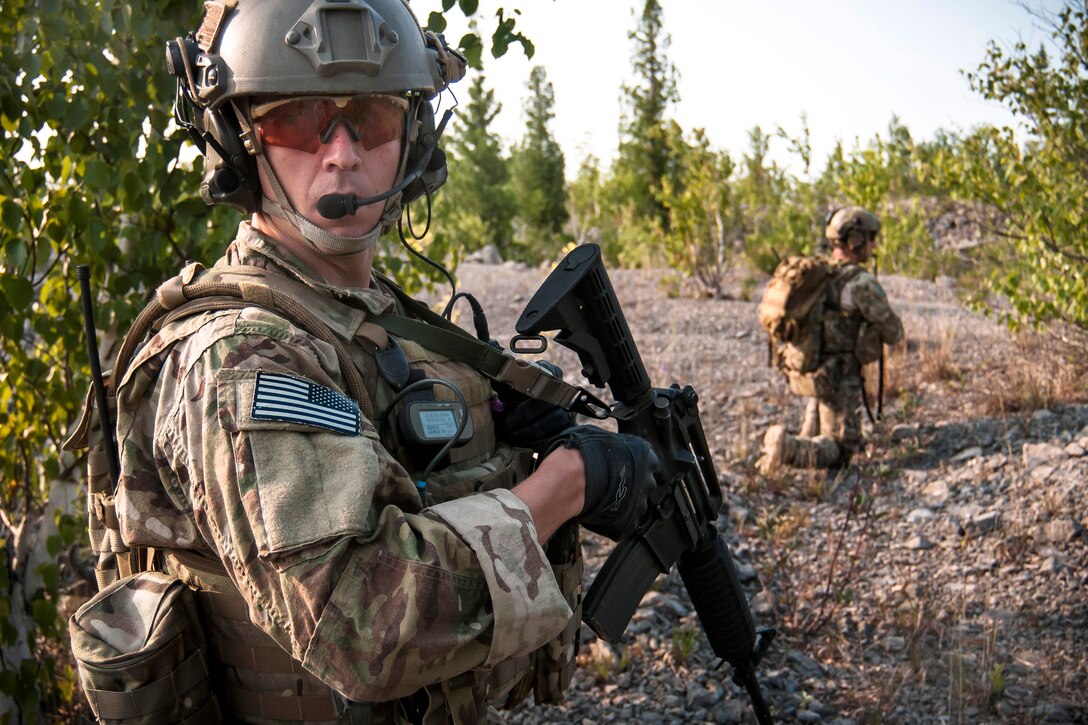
712 582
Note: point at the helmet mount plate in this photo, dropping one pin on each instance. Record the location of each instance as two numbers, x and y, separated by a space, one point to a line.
341 36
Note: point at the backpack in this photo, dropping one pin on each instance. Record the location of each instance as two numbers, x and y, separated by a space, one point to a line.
793 308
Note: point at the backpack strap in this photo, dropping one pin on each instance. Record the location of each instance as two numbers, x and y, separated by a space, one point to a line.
186 295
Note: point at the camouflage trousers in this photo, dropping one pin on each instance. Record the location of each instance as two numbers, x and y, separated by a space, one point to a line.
830 433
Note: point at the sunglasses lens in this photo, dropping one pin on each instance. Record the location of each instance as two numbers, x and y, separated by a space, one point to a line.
377 119
300 124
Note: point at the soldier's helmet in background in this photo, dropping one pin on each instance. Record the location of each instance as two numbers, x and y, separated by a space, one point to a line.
851 226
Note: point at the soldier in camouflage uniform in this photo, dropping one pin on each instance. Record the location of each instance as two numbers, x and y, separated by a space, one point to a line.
333 586
854 331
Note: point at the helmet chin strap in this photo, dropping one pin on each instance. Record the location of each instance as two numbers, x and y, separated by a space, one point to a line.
322 240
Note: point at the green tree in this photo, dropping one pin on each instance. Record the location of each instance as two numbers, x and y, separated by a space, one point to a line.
585 202
94 171
703 213
537 182
471 43
1039 187
88 174
475 208
777 218
644 160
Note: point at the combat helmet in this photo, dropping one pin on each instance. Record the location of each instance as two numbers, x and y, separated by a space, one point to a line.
247 49
851 227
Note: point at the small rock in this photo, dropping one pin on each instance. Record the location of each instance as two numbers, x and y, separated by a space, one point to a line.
661 600
1059 531
967 454
983 523
804 665
919 543
1050 565
920 516
937 491
699 697
915 478
895 644
1036 454
746 573
1041 473
1043 416
486 255
1075 450
763 604
730 711
809 716
903 431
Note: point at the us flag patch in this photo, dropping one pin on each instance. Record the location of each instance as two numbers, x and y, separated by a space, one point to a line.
297 400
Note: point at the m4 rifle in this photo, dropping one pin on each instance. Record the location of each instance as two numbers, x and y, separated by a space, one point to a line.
577 302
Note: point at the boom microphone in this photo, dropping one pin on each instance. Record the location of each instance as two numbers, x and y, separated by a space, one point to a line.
334 206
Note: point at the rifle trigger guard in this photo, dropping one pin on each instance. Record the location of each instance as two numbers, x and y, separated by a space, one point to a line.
540 340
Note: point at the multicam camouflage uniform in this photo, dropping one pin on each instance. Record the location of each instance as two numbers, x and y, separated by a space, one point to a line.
852 337
324 533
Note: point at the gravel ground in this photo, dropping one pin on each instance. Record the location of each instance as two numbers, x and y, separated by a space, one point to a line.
941 579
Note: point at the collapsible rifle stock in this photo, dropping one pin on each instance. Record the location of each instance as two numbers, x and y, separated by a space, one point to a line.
577 301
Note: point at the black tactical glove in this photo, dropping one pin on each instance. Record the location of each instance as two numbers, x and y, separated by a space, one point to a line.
620 471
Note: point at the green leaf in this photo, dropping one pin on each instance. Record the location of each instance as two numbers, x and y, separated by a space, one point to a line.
44 612
10 215
436 22
468 7
50 574
18 291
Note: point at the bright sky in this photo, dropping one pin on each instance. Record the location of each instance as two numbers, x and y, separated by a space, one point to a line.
849 65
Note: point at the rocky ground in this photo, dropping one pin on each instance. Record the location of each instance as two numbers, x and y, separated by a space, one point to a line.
943 578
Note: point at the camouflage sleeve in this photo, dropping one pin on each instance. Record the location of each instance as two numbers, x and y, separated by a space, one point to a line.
864 295
324 536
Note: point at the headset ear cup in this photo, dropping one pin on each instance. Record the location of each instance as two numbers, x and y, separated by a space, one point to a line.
434 173
230 177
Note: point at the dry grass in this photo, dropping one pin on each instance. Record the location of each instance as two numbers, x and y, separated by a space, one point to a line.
1034 376
1035 373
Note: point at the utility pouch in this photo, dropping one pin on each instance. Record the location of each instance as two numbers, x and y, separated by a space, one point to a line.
141 654
507 467
112 558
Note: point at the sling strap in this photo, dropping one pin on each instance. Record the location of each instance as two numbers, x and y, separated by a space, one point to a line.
435 332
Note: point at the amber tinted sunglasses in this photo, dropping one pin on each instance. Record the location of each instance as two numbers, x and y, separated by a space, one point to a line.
306 122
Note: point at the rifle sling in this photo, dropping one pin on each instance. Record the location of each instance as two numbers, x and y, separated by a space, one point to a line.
436 333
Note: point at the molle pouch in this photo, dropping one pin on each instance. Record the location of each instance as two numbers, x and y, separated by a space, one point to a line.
555 661
141 654
869 345
507 467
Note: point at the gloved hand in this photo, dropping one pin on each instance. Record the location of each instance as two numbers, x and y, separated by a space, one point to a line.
620 475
